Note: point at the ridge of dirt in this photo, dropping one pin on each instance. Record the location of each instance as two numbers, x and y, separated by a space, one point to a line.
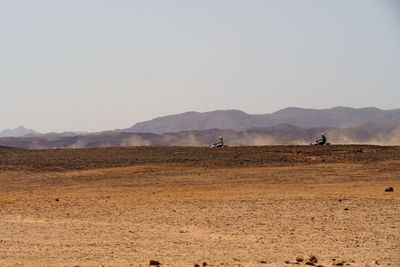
92 158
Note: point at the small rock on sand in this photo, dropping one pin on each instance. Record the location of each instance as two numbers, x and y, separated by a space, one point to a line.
313 259
299 258
389 189
339 263
154 263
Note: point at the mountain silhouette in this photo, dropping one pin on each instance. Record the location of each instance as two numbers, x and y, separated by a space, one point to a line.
290 126
338 117
17 132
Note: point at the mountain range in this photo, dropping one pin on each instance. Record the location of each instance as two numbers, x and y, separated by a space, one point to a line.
338 117
288 126
17 132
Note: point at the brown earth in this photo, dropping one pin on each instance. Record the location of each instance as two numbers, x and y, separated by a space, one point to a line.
245 206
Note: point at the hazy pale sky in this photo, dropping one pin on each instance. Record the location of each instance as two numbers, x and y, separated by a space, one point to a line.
93 65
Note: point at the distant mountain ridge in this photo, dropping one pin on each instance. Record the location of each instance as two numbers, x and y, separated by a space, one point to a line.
338 117
17 132
288 126
283 134
24 132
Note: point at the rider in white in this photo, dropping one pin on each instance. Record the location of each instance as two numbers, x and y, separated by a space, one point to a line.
220 143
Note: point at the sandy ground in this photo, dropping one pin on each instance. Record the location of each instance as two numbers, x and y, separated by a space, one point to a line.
182 215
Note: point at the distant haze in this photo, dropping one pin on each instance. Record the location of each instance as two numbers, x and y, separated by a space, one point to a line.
96 65
289 126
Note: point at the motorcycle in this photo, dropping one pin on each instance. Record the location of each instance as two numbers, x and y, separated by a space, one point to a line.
216 145
315 143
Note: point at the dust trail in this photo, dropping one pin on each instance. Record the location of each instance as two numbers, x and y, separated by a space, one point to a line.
393 138
135 141
264 140
79 144
36 145
253 140
186 140
191 140
348 137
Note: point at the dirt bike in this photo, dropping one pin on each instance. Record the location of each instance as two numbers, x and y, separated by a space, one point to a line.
315 143
216 145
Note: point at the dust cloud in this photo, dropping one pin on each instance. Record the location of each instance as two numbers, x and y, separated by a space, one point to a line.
186 140
191 140
367 136
79 144
255 139
135 141
392 138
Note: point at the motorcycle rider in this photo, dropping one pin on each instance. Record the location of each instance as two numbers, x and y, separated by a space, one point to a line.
220 143
321 141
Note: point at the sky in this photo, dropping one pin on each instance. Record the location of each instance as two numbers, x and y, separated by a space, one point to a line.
93 65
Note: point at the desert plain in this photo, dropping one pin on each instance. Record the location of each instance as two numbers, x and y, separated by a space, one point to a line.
182 206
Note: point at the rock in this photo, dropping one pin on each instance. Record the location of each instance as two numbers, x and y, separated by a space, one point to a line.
154 263
204 264
196 265
389 189
313 259
57 199
346 209
339 263
287 262
263 262
299 258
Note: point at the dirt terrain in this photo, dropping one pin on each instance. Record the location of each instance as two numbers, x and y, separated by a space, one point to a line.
181 206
